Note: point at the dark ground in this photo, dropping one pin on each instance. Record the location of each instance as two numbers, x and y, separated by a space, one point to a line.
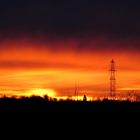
35 114
38 105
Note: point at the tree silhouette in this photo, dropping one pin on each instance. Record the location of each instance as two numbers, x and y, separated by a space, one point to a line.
46 97
84 98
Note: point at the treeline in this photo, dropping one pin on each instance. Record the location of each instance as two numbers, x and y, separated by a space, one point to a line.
46 105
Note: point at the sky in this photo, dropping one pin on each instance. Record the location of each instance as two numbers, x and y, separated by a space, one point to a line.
54 47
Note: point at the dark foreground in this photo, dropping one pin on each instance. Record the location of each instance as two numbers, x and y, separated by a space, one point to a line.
38 105
70 116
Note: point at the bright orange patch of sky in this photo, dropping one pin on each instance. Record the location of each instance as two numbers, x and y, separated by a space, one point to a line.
27 66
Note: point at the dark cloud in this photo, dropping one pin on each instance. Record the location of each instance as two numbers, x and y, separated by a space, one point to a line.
40 65
71 16
82 19
78 45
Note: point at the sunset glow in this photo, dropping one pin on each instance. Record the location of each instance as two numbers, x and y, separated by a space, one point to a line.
31 68
41 92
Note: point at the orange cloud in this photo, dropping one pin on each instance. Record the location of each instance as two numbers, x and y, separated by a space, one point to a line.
25 66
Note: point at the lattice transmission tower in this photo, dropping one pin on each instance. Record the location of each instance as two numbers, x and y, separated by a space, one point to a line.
112 79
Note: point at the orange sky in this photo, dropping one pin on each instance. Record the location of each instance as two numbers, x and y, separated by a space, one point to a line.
26 66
